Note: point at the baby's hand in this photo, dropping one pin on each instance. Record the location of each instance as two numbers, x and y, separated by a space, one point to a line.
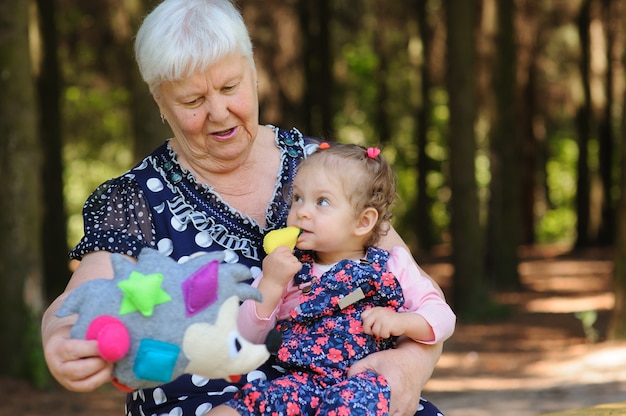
382 322
280 266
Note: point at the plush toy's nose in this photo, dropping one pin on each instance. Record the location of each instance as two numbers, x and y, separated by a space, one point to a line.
273 341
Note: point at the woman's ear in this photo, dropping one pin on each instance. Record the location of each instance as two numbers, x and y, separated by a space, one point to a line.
367 221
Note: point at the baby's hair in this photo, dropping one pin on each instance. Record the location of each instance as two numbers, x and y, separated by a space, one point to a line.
367 178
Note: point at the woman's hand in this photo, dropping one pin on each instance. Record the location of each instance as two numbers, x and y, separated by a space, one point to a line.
75 363
406 368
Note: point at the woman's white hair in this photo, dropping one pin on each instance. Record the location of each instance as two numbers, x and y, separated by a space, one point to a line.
180 37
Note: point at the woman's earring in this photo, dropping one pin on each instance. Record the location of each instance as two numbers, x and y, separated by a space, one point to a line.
162 119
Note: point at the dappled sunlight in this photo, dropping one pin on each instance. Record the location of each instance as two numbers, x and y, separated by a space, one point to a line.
541 358
561 304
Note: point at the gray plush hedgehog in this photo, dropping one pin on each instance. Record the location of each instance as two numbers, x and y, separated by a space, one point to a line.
157 319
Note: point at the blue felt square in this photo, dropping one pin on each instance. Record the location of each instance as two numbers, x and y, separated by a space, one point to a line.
155 360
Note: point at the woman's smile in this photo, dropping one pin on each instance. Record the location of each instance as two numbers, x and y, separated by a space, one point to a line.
225 134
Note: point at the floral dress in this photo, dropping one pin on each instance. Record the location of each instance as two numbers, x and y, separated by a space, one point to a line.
159 204
321 340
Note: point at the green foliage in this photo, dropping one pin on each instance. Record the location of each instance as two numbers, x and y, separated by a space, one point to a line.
557 225
36 366
558 222
489 311
97 146
587 320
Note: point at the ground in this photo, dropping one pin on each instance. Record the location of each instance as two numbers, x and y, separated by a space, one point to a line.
540 359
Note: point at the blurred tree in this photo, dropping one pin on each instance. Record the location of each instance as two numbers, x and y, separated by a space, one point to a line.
611 23
21 297
617 325
583 120
530 36
54 230
423 224
504 219
381 117
318 111
279 50
147 128
469 292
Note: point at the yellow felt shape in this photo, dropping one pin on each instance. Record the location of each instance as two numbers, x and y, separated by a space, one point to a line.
287 236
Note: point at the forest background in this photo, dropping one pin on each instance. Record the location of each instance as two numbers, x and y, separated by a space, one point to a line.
502 118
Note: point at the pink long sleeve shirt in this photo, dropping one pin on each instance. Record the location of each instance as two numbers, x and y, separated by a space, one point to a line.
419 293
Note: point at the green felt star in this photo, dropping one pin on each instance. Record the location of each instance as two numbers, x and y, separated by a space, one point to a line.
142 292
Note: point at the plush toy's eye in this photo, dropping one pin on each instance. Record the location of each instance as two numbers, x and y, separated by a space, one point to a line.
234 346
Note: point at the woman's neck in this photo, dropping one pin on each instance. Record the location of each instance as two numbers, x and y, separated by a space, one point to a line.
246 185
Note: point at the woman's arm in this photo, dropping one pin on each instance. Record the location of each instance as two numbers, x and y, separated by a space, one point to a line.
393 239
74 363
408 367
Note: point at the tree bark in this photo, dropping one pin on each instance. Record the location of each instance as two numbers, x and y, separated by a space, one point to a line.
467 242
617 324
21 300
583 119
54 221
423 228
606 137
505 204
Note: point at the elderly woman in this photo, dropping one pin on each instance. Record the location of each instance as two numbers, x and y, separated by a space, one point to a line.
217 184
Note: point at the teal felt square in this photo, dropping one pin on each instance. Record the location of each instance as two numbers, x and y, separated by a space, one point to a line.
155 360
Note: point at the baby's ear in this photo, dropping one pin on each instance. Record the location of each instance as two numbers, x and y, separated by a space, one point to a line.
367 221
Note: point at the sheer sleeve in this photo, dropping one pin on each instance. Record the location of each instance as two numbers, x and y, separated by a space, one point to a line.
117 219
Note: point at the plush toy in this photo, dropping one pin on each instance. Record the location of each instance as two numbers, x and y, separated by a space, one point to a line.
157 319
287 236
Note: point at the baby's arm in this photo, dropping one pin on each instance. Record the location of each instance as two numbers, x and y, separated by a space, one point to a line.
256 319
425 316
279 267
383 322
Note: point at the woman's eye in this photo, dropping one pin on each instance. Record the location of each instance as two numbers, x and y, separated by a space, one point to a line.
192 102
230 88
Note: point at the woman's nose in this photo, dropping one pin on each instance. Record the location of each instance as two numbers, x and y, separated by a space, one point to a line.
217 109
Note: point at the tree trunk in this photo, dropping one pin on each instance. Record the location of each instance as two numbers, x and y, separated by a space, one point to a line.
21 300
606 147
423 228
54 231
148 129
583 118
382 49
467 242
317 58
505 203
617 325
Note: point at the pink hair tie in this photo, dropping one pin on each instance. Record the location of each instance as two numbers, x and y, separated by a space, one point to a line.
373 152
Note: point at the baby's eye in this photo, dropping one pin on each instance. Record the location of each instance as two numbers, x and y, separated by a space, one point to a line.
296 198
323 202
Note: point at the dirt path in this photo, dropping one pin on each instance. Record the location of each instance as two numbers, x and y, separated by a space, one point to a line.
539 360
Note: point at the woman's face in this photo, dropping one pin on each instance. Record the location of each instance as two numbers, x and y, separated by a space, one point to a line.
213 114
